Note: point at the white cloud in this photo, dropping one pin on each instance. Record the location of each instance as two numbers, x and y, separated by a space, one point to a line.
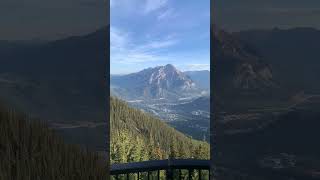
126 51
152 5
160 44
197 67
166 14
118 39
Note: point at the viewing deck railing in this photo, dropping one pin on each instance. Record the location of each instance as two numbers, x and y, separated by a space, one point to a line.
162 169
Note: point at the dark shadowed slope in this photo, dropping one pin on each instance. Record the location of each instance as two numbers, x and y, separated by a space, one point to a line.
239 66
274 136
292 53
242 74
29 150
62 82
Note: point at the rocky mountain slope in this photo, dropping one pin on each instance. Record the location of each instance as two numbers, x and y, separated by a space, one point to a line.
292 53
154 83
265 129
238 66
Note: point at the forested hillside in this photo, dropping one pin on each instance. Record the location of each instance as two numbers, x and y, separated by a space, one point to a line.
30 150
137 136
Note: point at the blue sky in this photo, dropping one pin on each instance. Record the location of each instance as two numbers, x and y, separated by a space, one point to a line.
149 33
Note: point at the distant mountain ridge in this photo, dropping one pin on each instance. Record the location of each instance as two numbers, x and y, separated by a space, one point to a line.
158 82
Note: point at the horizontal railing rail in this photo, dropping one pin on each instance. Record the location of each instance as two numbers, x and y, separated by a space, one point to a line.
169 166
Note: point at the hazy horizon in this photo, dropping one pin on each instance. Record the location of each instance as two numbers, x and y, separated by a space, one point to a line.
155 67
103 27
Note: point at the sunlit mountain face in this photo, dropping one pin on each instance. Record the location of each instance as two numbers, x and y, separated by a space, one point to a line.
161 82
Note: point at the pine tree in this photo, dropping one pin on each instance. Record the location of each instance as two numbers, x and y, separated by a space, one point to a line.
158 152
137 136
174 154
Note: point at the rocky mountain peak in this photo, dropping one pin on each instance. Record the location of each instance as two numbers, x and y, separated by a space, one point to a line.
169 77
158 82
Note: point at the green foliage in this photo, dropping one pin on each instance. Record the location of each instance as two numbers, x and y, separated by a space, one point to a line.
137 136
31 151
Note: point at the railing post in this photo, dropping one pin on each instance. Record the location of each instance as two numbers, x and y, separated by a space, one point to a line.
189 174
158 174
169 174
138 175
199 174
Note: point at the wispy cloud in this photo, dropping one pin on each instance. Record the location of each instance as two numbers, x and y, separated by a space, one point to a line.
167 14
125 50
159 44
152 5
149 33
118 38
197 67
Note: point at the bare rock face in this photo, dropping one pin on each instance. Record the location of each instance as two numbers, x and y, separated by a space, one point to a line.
250 77
238 66
166 78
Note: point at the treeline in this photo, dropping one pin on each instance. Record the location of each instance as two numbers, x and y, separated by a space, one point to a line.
137 136
30 151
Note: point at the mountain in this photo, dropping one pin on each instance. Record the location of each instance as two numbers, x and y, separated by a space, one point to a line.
201 78
154 83
292 53
60 81
138 136
267 132
163 92
243 76
238 66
